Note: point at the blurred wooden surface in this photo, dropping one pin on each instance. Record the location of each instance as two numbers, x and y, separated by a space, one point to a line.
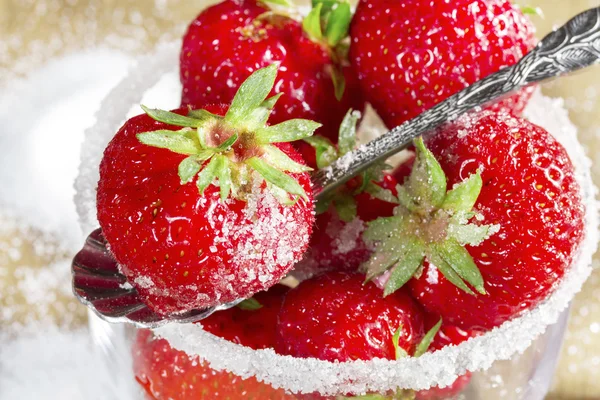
32 32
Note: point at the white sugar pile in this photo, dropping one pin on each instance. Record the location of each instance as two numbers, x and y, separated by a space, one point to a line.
42 121
53 365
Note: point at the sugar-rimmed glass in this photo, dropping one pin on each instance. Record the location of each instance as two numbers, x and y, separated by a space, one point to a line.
154 82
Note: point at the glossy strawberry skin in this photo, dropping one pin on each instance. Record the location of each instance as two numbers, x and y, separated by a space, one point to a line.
184 251
530 192
251 328
338 245
411 55
165 373
227 42
335 317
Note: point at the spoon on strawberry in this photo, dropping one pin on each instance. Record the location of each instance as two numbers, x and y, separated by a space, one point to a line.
233 156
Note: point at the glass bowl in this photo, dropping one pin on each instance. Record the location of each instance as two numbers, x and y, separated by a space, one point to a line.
525 341
526 376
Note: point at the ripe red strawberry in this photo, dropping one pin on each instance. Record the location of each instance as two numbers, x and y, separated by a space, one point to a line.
252 322
411 55
211 212
336 242
507 229
231 39
167 374
336 316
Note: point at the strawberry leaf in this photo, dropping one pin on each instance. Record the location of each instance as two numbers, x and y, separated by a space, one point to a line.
529 10
276 177
338 23
326 5
312 23
423 346
208 174
176 141
271 101
243 126
426 186
288 131
459 259
406 266
171 118
470 233
347 133
326 152
400 352
447 270
188 168
380 193
250 304
224 176
228 143
382 228
285 3
203 115
251 95
282 161
377 264
345 206
464 195
339 83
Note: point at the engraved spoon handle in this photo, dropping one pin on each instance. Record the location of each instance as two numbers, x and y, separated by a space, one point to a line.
573 46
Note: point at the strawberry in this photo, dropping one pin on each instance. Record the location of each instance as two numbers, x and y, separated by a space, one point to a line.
336 317
445 393
233 38
252 322
488 222
411 55
203 207
336 242
167 374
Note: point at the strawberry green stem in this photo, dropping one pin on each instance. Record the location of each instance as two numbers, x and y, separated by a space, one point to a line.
226 148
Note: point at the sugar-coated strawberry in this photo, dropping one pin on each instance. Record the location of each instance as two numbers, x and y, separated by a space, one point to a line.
336 242
203 207
166 373
489 220
411 55
233 38
251 323
336 317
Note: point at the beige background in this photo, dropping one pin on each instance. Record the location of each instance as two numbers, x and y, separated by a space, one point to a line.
32 32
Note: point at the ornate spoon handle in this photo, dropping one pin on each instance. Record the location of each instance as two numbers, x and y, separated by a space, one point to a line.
574 46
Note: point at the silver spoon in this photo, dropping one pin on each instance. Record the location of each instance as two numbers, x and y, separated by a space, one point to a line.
98 283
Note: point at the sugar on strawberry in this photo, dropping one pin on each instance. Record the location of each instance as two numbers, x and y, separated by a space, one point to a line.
233 38
203 207
411 55
489 221
336 242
